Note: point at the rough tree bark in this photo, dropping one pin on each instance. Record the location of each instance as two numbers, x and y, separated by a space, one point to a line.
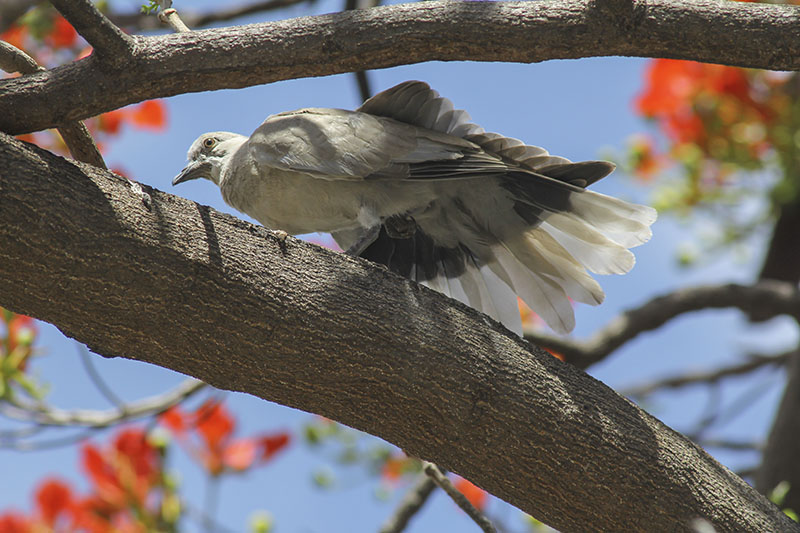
734 33
181 286
187 288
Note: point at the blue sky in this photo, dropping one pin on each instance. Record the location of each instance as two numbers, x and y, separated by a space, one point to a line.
580 109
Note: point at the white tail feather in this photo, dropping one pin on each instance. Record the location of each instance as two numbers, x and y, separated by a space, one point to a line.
628 223
545 296
588 246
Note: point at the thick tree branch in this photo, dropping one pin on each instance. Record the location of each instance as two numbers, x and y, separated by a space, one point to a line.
75 134
768 298
110 43
187 288
734 33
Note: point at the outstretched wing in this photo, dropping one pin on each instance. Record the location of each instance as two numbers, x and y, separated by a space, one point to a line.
350 145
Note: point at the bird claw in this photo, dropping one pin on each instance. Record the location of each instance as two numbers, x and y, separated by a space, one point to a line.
400 226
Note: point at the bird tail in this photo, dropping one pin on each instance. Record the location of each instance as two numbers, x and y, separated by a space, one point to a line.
546 265
539 246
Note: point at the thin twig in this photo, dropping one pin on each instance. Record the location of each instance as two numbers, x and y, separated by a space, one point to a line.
200 516
47 415
111 44
410 505
97 379
144 22
769 298
41 445
170 17
12 435
440 479
710 376
733 445
734 410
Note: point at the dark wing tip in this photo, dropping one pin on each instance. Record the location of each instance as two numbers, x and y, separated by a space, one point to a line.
580 174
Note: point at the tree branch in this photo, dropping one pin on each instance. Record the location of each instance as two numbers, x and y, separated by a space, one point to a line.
171 18
733 33
230 303
75 134
709 376
446 485
412 502
47 415
110 43
143 22
768 298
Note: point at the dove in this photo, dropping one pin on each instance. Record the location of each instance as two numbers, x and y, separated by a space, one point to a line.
409 182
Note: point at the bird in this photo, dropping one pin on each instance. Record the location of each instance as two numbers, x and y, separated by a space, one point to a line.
409 182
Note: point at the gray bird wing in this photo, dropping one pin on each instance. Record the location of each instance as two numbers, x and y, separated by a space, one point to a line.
350 145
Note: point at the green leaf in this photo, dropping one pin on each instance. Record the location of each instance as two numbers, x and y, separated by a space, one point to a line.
261 522
323 478
778 494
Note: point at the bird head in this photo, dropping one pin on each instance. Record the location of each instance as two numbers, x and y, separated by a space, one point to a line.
208 154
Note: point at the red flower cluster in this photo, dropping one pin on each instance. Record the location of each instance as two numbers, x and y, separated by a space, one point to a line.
690 100
207 435
716 119
127 493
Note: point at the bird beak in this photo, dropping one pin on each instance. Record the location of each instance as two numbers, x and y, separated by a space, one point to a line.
194 170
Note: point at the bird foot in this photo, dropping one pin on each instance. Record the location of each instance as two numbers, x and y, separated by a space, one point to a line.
400 226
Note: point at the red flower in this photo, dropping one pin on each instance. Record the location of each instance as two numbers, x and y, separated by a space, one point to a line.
110 122
14 522
272 444
215 448
126 472
394 468
15 35
62 35
151 114
476 495
20 330
239 454
214 423
644 158
54 499
174 420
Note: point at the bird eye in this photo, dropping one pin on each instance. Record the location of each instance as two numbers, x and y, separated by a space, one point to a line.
209 143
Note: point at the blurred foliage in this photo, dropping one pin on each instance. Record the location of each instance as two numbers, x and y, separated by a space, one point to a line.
726 144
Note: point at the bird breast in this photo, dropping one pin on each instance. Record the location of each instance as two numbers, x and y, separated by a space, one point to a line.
299 203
